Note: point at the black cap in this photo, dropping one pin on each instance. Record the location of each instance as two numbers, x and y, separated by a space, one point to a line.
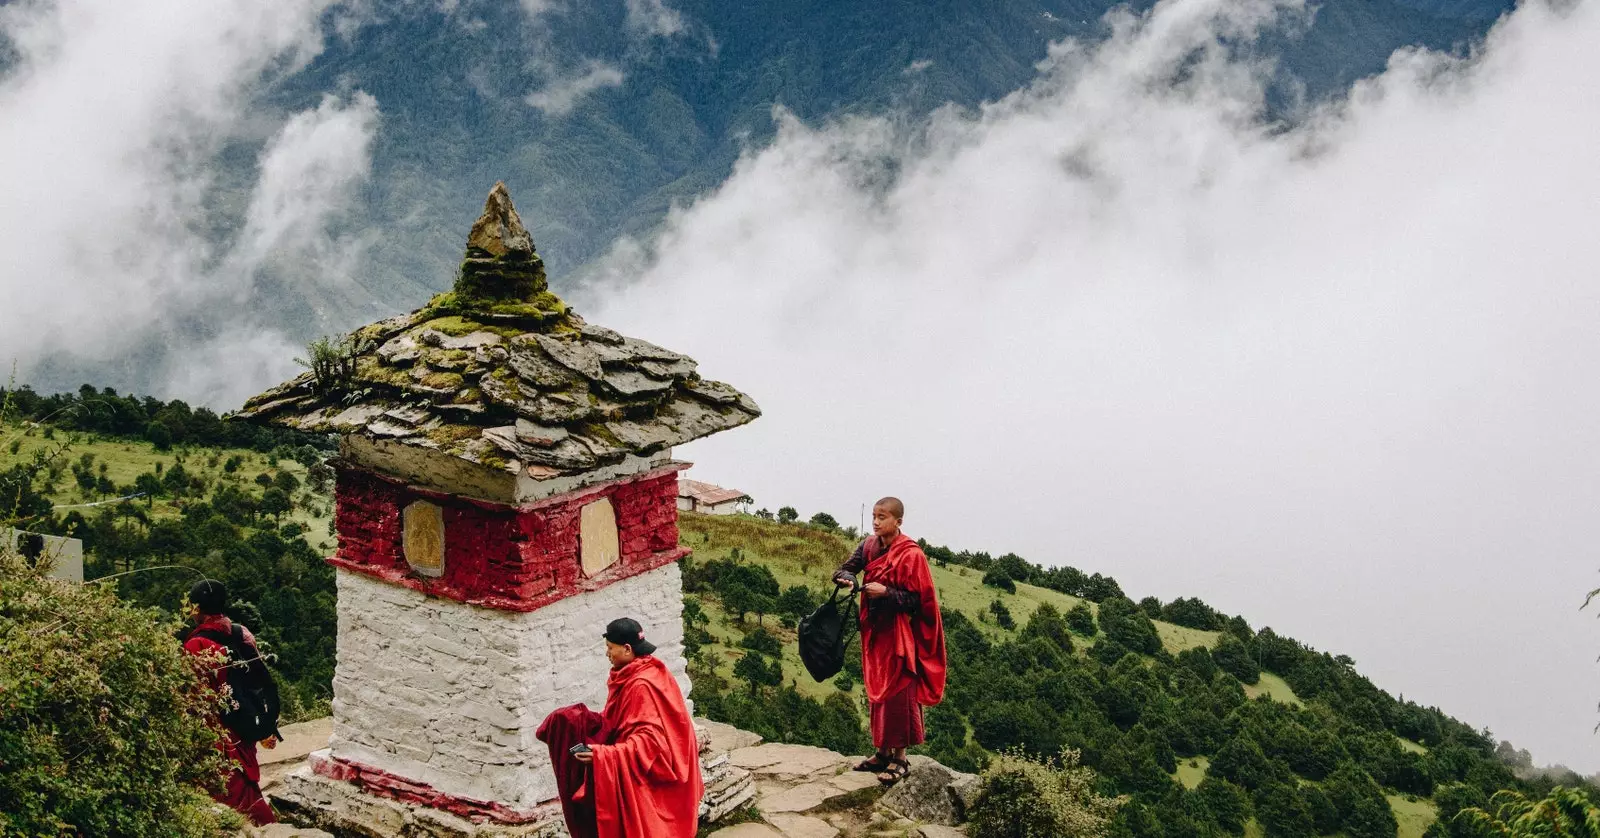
626 632
209 595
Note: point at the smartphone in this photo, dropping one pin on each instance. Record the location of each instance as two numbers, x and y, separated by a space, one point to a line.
579 748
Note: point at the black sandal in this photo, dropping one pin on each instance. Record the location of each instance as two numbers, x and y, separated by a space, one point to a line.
875 764
897 771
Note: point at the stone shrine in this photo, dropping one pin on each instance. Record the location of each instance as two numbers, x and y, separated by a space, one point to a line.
505 488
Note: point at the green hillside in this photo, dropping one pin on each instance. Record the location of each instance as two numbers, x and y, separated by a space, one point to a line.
1207 724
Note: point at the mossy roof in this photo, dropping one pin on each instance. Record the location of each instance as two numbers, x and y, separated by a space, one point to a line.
512 380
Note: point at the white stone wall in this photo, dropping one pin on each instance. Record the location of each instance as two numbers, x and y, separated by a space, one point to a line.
449 694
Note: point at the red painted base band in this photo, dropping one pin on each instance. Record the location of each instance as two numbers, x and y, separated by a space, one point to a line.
435 587
380 783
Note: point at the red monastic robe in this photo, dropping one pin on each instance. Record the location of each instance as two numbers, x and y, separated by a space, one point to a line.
902 652
243 792
645 781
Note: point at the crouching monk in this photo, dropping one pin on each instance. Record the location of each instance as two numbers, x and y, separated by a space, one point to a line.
902 638
634 769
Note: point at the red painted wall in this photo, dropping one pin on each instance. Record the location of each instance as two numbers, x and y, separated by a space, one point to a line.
498 556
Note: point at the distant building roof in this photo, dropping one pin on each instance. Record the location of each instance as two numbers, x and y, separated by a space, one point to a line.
705 493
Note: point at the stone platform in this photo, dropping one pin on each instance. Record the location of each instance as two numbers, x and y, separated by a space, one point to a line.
309 799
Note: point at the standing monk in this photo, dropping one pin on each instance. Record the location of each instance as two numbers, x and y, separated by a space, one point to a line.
632 771
902 638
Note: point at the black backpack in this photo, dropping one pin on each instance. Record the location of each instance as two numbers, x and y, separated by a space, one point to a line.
822 635
253 714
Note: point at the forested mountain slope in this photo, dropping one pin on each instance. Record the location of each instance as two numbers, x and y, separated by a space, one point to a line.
1210 725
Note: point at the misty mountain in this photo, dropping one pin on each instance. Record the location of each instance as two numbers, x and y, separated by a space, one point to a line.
602 116
453 88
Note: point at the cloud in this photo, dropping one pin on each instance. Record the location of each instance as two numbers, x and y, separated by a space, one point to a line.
559 96
120 219
651 18
1339 376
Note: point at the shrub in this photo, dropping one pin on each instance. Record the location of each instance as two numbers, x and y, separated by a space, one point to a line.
763 641
1024 798
1081 620
996 577
103 726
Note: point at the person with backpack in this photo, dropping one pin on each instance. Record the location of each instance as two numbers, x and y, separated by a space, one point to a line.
902 638
233 667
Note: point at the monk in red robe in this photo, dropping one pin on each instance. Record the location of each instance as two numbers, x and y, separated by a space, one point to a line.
208 598
902 638
634 769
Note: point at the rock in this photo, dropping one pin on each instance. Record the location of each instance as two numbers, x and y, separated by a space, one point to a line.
792 762
926 794
965 790
499 231
633 384
747 830
532 365
931 830
726 737
802 826
572 354
283 830
801 798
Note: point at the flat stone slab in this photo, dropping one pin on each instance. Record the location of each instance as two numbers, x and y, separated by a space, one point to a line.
853 781
930 830
283 830
299 740
793 761
726 737
801 826
747 830
801 798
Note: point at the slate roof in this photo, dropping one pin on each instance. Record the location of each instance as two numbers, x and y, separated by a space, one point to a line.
499 371
706 493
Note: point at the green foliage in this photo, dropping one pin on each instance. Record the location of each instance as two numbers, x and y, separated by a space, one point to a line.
1002 615
1081 620
1233 658
332 364
788 515
825 521
758 671
1228 804
763 641
1047 625
1023 797
996 577
1282 812
1123 622
102 722
1563 812
1362 807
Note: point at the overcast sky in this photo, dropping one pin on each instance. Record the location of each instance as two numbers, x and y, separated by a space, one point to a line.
1341 379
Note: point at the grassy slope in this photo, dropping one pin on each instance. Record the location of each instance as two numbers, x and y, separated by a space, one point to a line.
127 459
802 555
1413 816
1192 770
1274 688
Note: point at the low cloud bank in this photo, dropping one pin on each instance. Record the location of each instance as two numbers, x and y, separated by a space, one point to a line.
1339 376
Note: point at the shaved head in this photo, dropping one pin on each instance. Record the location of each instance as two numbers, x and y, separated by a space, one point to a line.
893 505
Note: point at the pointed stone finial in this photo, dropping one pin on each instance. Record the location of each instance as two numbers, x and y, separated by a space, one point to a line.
501 263
499 232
